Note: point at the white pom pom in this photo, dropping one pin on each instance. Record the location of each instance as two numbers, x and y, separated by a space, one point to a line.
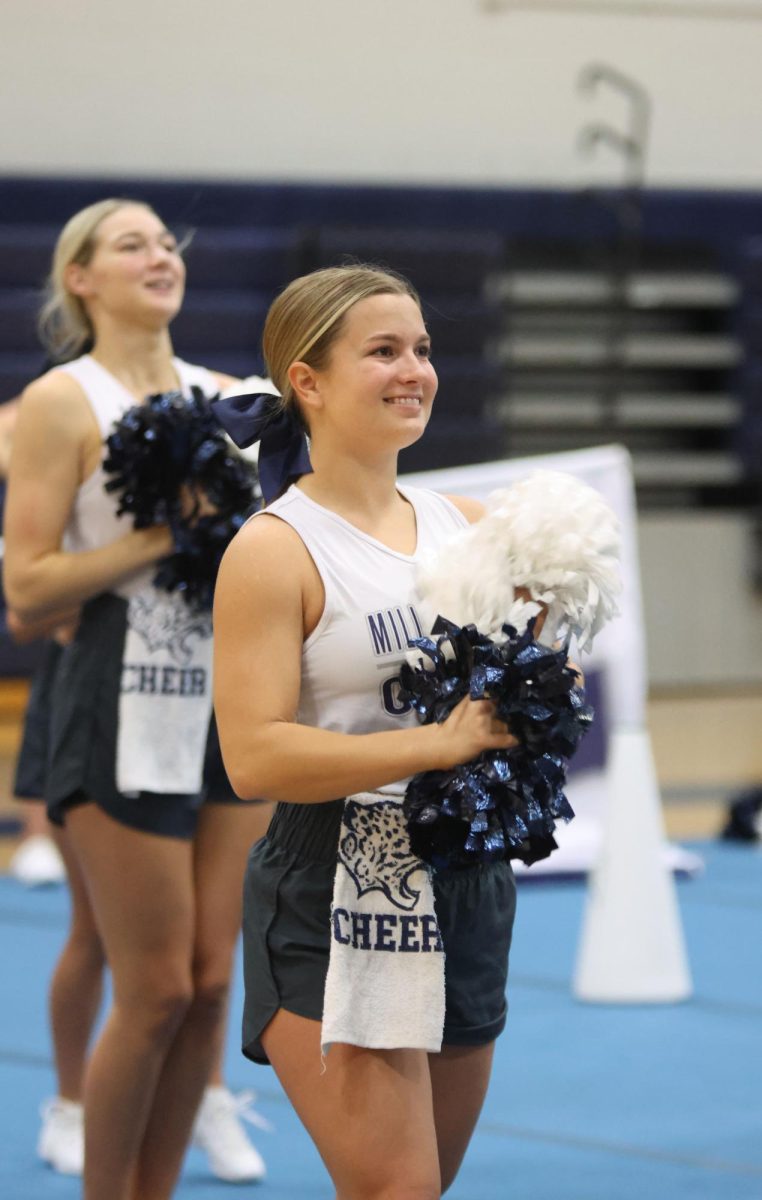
549 534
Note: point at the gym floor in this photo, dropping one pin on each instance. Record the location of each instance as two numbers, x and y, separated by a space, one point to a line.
588 1101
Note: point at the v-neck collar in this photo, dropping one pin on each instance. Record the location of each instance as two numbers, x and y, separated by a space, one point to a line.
360 533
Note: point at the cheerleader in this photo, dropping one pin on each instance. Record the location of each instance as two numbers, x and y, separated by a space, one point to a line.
385 1057
36 862
156 835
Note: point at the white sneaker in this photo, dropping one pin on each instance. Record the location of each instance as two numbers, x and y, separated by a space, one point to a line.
37 863
220 1133
61 1143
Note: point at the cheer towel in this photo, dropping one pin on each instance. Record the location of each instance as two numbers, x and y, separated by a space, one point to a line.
385 987
165 701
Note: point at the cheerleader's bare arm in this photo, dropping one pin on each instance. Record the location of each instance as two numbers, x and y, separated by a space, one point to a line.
56 445
268 599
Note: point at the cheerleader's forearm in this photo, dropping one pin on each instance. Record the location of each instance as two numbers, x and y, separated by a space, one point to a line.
284 761
62 580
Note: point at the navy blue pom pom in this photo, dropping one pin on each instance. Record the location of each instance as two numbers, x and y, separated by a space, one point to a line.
503 804
169 460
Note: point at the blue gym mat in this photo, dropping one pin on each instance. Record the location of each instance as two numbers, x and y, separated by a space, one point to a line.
587 1102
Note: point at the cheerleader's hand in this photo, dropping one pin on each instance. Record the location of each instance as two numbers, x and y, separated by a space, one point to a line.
577 671
195 503
523 593
472 727
150 544
23 632
65 631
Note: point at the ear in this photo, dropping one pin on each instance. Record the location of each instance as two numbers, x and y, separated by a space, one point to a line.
304 383
75 280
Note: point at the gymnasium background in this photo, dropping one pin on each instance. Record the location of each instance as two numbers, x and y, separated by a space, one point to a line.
481 106
577 190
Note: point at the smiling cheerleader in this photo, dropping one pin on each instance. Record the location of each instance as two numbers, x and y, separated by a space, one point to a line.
374 986
133 760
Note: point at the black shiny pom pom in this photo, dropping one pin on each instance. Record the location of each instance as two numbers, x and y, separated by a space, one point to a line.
503 804
170 463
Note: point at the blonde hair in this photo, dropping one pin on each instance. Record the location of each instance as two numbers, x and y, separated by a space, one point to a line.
306 318
63 323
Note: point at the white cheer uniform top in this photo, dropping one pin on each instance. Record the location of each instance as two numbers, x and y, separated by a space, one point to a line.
93 521
351 660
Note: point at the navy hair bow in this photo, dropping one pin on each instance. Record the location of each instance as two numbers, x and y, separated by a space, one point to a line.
258 417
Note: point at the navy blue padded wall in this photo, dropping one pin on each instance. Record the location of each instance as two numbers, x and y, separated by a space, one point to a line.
451 441
219 320
262 259
16 370
719 218
18 320
437 261
460 324
25 253
466 383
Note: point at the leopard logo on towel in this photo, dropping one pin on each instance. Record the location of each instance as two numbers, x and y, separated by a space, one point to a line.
375 850
167 622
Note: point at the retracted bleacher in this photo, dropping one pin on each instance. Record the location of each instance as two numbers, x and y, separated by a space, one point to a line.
537 346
